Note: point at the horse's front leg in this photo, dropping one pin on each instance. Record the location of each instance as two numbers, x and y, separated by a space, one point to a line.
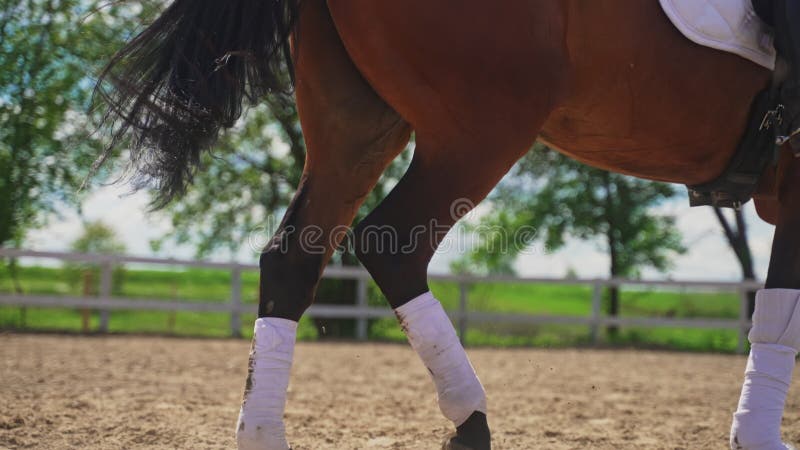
351 135
775 336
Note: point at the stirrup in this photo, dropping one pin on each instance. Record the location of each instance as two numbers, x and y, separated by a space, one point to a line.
774 119
793 139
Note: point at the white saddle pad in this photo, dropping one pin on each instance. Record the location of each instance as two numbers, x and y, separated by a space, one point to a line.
727 25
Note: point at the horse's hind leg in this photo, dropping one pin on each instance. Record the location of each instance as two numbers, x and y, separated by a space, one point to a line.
351 135
775 336
396 242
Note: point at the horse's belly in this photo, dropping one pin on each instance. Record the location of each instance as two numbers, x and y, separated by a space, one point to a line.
687 156
645 100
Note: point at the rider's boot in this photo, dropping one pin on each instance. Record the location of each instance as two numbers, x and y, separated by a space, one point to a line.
787 43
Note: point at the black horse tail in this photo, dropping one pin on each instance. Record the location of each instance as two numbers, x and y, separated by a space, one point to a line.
171 90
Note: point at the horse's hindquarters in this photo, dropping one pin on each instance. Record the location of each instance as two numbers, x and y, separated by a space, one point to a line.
461 73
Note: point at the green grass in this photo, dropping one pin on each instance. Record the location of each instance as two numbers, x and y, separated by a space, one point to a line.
210 285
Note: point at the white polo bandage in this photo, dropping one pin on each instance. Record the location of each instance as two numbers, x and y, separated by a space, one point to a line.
260 425
433 337
775 339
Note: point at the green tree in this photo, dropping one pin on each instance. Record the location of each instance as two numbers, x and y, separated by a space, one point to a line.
97 238
735 231
549 196
49 51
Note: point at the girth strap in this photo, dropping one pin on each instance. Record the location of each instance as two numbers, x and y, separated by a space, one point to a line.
755 151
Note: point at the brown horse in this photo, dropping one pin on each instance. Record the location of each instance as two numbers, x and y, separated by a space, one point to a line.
610 83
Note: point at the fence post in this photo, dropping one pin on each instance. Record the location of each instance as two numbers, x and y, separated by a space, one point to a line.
88 291
744 306
462 312
236 301
106 285
597 300
362 322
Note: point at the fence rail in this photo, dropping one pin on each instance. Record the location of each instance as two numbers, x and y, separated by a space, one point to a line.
361 311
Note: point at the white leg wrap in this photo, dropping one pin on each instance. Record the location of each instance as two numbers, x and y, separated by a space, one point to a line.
433 337
260 424
775 339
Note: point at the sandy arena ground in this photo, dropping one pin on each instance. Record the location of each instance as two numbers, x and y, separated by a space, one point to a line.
61 392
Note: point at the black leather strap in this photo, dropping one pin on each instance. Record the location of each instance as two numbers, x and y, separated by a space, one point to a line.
756 150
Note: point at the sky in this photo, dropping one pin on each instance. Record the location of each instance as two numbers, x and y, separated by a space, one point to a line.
709 256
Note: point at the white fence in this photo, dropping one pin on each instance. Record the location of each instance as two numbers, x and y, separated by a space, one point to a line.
105 302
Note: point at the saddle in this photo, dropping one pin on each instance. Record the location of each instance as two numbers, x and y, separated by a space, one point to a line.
746 29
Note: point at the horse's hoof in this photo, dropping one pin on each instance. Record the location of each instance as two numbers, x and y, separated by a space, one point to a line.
453 443
456 442
473 434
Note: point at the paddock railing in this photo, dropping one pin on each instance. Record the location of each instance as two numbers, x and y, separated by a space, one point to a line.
105 302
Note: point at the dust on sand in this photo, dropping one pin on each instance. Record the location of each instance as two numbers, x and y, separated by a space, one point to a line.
60 392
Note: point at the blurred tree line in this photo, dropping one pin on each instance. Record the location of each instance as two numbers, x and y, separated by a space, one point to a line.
50 51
